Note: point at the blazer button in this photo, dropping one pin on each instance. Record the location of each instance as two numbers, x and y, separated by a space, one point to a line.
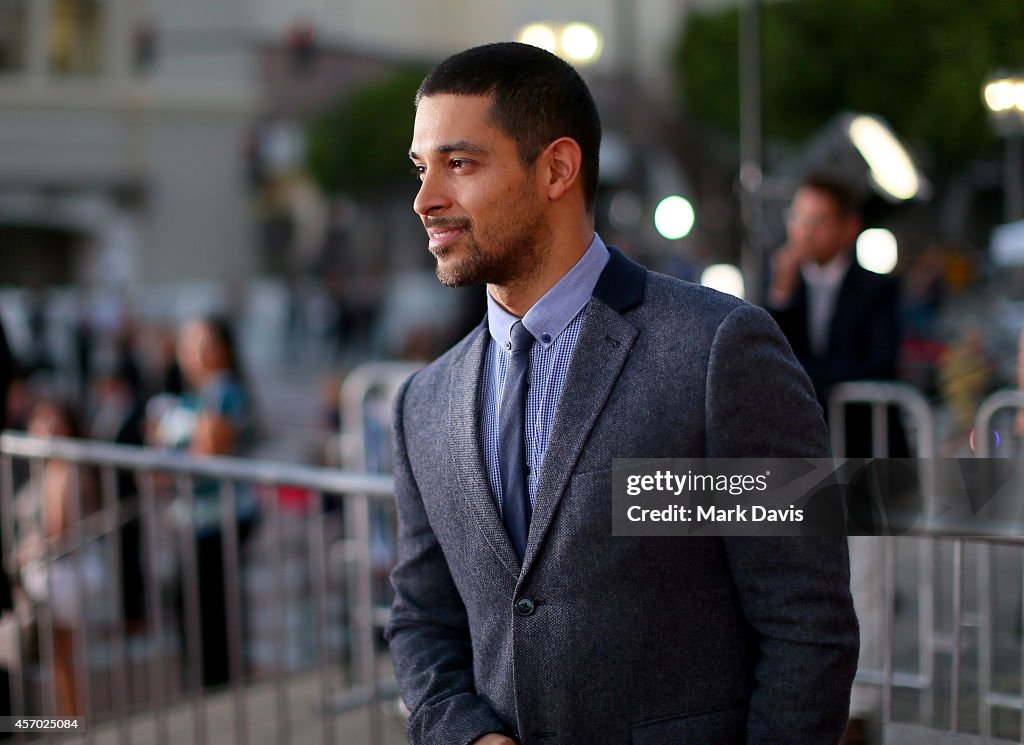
525 607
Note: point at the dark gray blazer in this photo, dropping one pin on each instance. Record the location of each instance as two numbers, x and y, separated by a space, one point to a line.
613 640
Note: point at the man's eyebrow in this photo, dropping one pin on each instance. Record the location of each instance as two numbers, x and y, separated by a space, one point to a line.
461 146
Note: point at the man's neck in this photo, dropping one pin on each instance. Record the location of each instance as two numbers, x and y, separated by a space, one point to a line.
518 297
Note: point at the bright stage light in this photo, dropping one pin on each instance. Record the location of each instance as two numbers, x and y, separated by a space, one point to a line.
674 217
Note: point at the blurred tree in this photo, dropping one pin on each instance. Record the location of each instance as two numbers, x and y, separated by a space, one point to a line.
358 145
918 63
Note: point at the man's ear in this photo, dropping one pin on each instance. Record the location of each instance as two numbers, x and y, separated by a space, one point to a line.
561 162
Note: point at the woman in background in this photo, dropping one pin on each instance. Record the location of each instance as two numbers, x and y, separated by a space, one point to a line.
49 508
213 416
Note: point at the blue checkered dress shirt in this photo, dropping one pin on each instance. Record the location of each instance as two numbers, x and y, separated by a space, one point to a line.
555 322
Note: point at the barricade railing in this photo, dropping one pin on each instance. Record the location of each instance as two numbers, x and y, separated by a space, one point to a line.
902 733
365 412
941 553
996 402
170 497
337 522
881 396
989 696
365 443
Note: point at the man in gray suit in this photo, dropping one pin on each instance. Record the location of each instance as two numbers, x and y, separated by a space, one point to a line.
518 617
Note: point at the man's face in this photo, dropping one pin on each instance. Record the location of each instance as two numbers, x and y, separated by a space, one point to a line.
484 214
817 229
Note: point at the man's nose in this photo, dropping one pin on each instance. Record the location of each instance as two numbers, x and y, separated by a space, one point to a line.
432 196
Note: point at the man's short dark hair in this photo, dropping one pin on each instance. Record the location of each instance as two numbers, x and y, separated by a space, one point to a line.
537 99
838 191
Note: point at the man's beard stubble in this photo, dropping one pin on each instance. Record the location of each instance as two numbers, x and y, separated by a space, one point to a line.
511 258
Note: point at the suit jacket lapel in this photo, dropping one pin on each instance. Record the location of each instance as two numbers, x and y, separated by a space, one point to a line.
847 292
605 341
467 451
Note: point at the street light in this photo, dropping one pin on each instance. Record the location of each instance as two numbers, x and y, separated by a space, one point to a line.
539 35
724 278
877 250
674 217
578 43
1004 98
892 170
1003 95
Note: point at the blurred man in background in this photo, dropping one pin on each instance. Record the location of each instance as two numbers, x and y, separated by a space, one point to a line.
841 319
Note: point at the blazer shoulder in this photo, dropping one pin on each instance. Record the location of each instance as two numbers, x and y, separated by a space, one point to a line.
685 305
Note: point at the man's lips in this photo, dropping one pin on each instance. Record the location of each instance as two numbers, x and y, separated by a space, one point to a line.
441 236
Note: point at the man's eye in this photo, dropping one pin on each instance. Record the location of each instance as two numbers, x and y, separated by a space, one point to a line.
458 163
418 172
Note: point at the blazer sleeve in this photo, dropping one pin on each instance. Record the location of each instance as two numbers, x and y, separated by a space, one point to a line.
428 630
795 592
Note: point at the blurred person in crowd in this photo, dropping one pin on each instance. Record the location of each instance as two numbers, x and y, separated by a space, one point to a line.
356 296
842 320
213 416
117 404
104 340
119 415
843 324
37 312
19 401
924 291
47 508
518 617
116 391
965 377
159 355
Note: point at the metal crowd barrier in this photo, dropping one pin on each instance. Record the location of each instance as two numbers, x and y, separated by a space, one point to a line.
365 412
342 509
881 396
942 556
137 685
998 401
902 733
989 696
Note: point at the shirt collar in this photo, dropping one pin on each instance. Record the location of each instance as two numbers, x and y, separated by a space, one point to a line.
829 275
550 315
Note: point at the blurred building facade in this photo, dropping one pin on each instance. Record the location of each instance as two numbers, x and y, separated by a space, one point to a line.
637 34
124 125
121 126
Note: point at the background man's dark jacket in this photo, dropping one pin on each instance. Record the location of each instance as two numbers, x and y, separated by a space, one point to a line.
863 344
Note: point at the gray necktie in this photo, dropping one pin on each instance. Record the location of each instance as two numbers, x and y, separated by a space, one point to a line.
515 493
